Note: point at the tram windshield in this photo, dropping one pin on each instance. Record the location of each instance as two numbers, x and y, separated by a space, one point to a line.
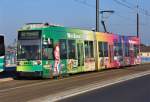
28 52
29 45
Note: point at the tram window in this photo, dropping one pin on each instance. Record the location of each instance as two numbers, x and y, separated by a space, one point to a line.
71 49
63 49
100 45
86 49
105 49
136 50
91 49
120 49
117 49
47 51
126 49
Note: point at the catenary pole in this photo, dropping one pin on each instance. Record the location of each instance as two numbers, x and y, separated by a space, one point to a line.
97 15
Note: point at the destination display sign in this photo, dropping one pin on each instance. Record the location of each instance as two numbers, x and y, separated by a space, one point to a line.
29 35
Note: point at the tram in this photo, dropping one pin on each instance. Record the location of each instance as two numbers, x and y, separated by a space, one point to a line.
49 50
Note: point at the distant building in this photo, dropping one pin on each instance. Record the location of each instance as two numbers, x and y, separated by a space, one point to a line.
145 53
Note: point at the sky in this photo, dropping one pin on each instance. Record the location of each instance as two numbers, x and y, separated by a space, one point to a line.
75 13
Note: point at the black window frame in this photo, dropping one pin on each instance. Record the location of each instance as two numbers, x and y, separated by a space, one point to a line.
89 50
71 52
2 45
100 49
48 46
126 45
64 56
103 49
136 50
118 50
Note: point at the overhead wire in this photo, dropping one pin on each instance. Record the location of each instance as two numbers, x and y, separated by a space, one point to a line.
84 2
137 8
120 2
132 6
124 4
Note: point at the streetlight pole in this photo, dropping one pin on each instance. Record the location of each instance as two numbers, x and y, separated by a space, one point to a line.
137 16
97 15
137 25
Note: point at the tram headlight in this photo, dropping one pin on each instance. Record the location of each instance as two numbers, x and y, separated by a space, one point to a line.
34 63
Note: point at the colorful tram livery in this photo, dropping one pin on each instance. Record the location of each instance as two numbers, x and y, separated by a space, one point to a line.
47 51
2 53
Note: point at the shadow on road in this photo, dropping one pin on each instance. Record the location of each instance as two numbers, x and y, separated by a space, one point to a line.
8 72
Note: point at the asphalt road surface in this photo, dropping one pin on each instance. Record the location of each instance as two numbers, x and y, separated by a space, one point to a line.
25 89
135 90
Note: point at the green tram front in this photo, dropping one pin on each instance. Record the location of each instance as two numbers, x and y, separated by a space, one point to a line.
29 56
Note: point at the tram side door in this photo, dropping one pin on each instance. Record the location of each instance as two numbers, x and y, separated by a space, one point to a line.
103 55
80 54
131 53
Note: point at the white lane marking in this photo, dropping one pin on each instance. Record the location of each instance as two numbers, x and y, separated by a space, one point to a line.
87 88
35 84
